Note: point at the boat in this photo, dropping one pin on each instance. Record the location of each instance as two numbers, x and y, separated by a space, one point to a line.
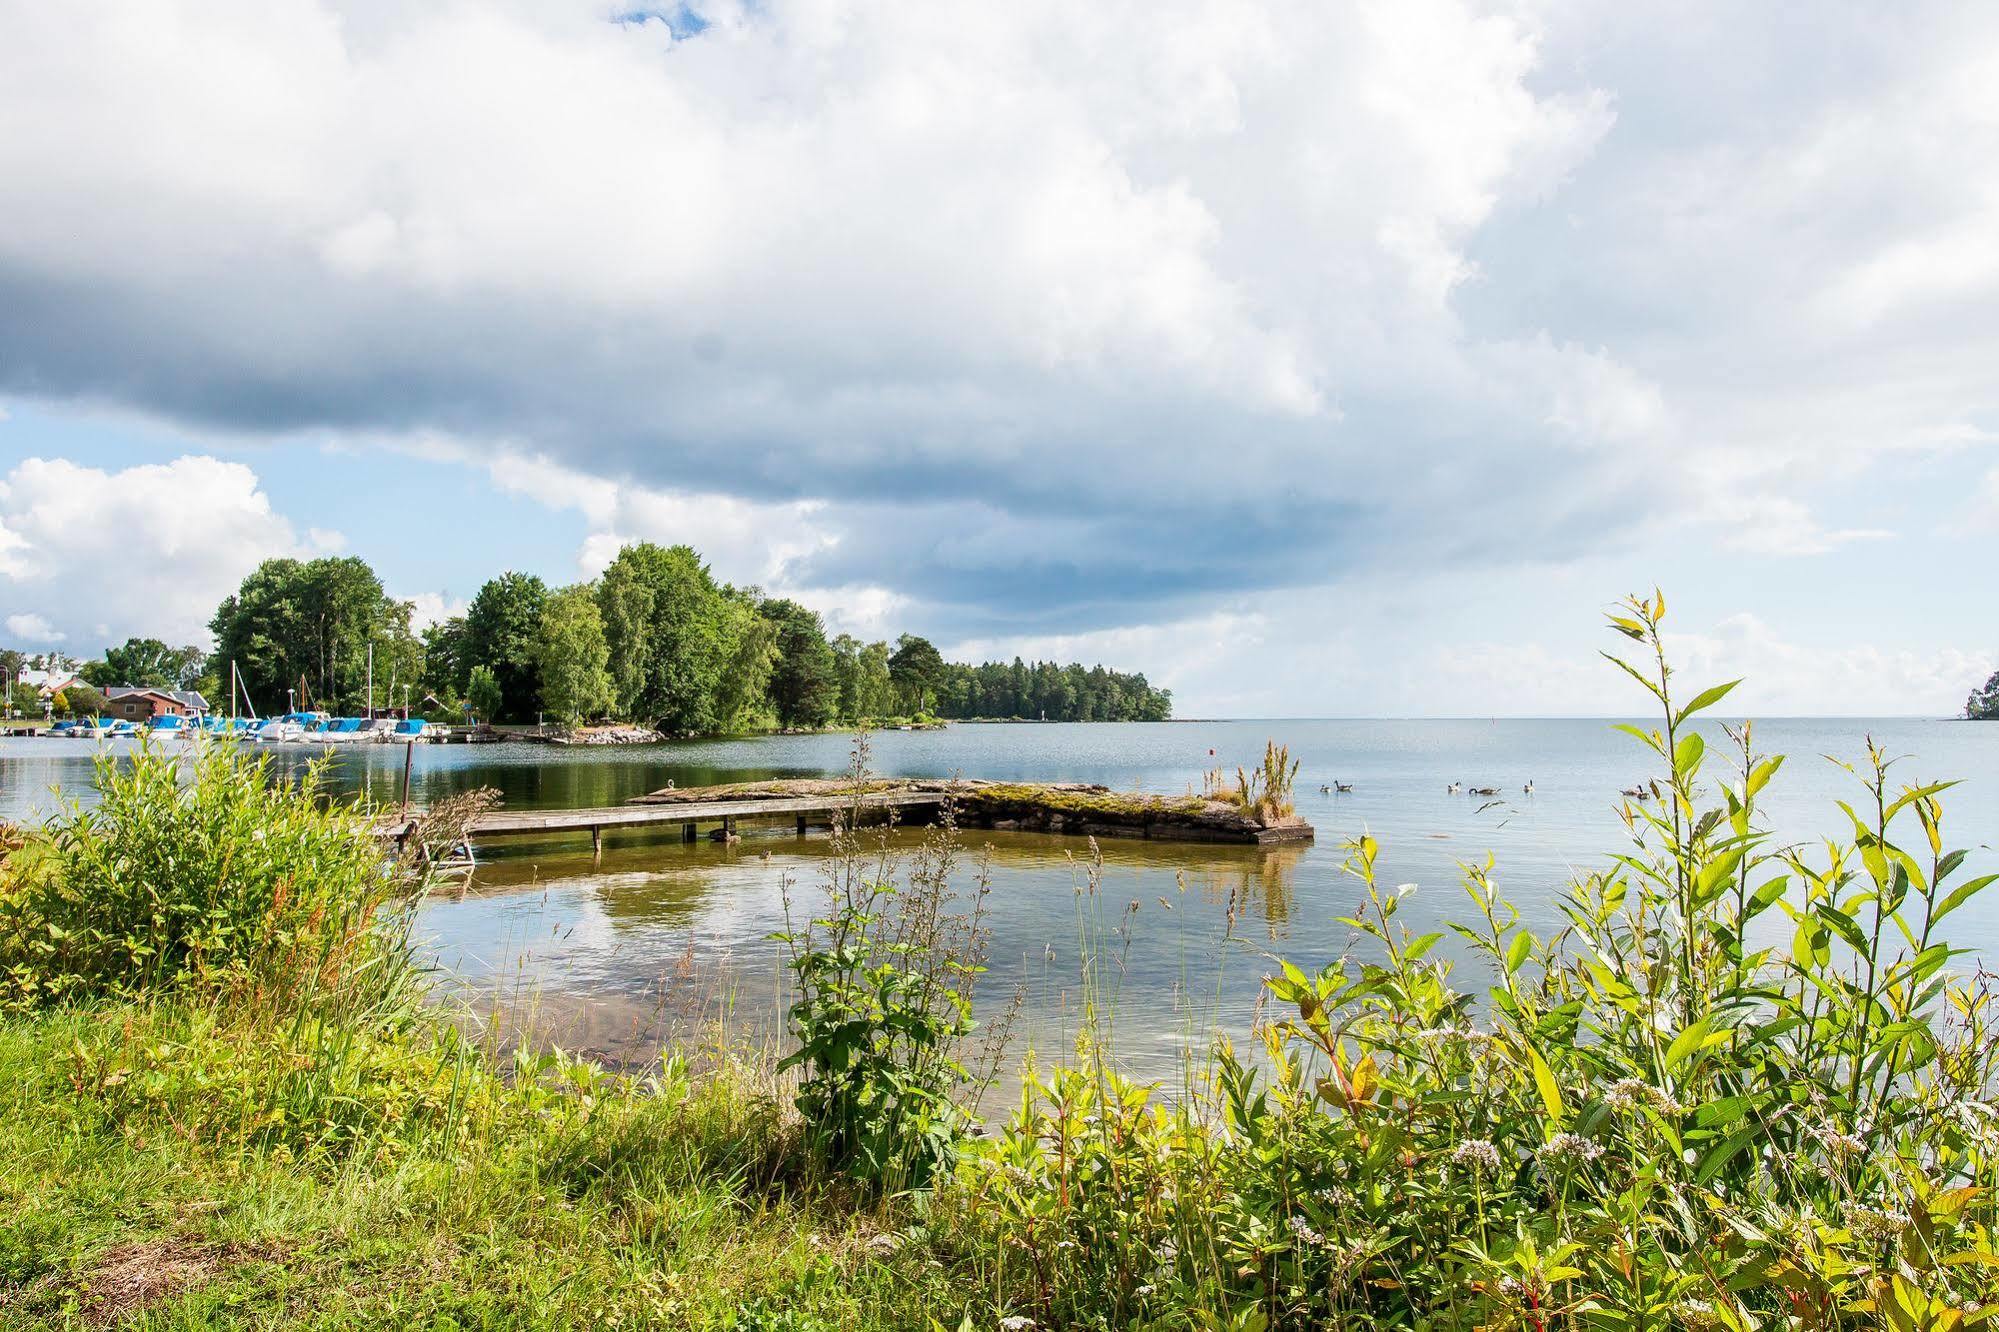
62 730
414 730
378 730
280 730
120 730
172 726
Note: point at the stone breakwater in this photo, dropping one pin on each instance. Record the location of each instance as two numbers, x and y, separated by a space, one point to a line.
1072 808
608 735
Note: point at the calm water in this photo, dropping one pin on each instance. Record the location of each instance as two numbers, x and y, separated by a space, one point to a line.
659 931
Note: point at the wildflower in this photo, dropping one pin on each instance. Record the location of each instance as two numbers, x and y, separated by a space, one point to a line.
1301 1229
1569 1149
1876 1225
1629 1093
1697 1316
1016 1323
1842 1144
1145 1290
1478 1154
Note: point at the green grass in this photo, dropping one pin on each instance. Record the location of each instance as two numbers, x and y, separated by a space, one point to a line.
625 1205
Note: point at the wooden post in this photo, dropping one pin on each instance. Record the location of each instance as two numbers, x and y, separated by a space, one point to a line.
688 832
801 825
728 828
596 843
409 757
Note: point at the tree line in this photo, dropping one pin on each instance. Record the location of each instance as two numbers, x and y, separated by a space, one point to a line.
655 639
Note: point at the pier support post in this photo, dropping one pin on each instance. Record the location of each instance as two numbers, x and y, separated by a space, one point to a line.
801 825
728 827
688 832
596 843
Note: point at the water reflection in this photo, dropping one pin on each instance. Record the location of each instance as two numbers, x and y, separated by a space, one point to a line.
664 926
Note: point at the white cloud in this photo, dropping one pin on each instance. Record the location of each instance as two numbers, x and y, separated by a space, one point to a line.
742 540
149 551
1762 525
428 608
34 629
1129 254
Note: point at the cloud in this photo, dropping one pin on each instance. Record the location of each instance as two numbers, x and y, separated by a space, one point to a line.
428 608
147 551
34 630
963 274
1032 317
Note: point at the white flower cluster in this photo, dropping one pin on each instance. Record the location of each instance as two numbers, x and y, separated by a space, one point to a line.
1876 1225
1568 1149
1630 1093
1478 1154
1302 1231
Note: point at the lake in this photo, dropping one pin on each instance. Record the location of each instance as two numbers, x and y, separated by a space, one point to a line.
660 935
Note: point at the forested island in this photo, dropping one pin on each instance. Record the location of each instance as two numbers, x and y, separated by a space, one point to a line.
656 640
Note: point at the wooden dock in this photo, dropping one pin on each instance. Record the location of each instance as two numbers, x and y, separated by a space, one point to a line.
722 814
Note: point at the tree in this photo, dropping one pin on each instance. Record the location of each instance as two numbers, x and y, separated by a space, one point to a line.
310 625
447 662
149 663
80 700
501 628
672 632
742 694
482 694
1983 705
916 668
571 657
804 682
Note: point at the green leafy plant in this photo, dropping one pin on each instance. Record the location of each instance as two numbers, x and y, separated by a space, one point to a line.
201 869
884 980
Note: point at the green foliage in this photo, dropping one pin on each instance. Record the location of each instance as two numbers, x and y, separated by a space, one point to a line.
674 633
447 660
219 877
571 657
482 694
79 700
1045 690
866 691
1983 705
1659 1118
804 681
148 662
503 633
308 626
884 987
916 669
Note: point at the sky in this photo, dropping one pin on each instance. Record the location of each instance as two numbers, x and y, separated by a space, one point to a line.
1315 358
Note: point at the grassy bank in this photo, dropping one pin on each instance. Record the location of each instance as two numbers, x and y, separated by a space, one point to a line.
1746 1085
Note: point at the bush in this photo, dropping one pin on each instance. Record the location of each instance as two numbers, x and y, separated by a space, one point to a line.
1659 1118
201 869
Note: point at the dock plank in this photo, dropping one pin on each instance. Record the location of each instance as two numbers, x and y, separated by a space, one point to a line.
528 822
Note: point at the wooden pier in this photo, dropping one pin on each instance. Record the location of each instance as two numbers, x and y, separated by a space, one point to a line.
722 814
